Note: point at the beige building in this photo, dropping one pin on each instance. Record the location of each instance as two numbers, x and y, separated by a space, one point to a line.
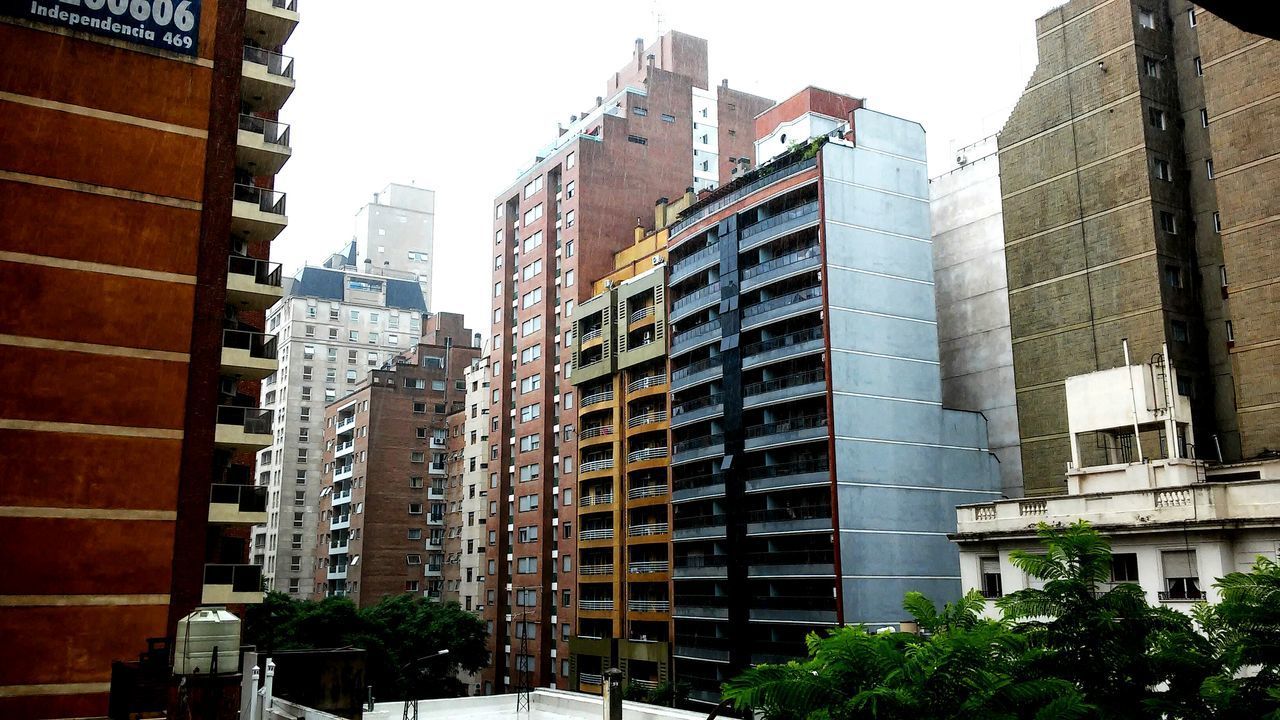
1136 176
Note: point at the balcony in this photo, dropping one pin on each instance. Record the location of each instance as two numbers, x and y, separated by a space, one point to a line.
648 567
785 305
594 680
698 448
647 529
435 540
783 347
237 504
795 519
776 226
344 472
270 22
435 493
341 498
262 145
590 466
791 563
702 566
338 547
695 488
595 605
702 606
648 418
785 388
649 606
266 79
793 474
257 214
645 383
597 570
588 336
794 608
594 435
693 647
253 284
340 522
249 355
642 314
345 423
809 427
786 266
695 372
344 448
700 408
656 452
697 527
595 534
589 500
432 570
647 491
705 296
336 572
760 182
242 428
688 265
232 585
696 337
596 398
436 519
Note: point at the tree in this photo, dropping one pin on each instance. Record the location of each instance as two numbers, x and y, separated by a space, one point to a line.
1243 632
400 635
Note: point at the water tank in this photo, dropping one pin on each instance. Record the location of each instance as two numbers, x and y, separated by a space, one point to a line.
202 632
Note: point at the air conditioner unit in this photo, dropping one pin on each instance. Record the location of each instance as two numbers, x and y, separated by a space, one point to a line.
962 160
657 259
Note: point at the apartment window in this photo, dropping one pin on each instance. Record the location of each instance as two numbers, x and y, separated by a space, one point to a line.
1199 67
668 118
569 218
531 383
1162 169
532 187
1173 276
308 352
1191 17
530 412
529 533
566 599
497 289
297 519
1204 118
529 443
568 278
437 385
528 502
419 408
302 454
1151 67
331 354
637 110
415 534
1168 223
1208 169
531 326
1217 223
531 298
306 372
530 472
530 271
299 497
568 249
530 354
992 584
353 335
296 541
567 564
304 414
295 562
417 456
533 214
333 333
1222 275
1146 19
294 584
526 565
569 190
306 392
1231 332
1178 328
1157 118
413 559
1181 575
637 139
1124 568
570 160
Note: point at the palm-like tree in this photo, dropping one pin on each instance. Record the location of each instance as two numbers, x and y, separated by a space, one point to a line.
1243 632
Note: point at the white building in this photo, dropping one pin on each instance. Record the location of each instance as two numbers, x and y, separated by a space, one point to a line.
334 324
397 231
1176 524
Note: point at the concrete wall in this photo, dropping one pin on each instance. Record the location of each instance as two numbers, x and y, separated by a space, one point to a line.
972 293
401 220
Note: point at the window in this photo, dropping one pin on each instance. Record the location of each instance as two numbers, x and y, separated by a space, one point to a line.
1162 169
526 597
1181 575
528 533
530 412
566 599
1178 328
497 289
1208 168
530 354
530 472
668 118
1199 67
570 160
638 139
1222 275
532 187
533 214
1191 17
437 385
528 502
415 534
1156 117
569 190
526 629
568 249
531 326
1168 223
411 586
567 564
1124 568
351 376
415 508
1151 67
992 584
529 443
413 559
1217 224
637 110
569 217
533 241
1146 19
353 335
1173 276
568 279
1231 332
531 298
531 383
417 456
529 272
299 497
526 565
419 407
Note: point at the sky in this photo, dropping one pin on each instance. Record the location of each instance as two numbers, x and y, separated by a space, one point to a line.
457 96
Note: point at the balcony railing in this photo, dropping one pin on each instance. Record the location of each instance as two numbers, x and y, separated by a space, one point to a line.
779 219
258 345
702 561
346 422
591 678
782 341
795 467
276 133
247 498
698 443
807 422
647 418
595 604
593 398
736 195
785 514
595 465
268 200
648 566
792 557
645 491
648 453
786 381
254 421
343 447
276 64
262 271
1181 595
697 258
596 499
687 522
794 602
692 334
597 534
642 313
646 529
789 298
781 262
600 569
590 335
698 481
597 431
646 382
694 368
649 605
697 296
697 404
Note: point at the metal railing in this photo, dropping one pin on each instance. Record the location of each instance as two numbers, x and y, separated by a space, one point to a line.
246 498
596 499
786 381
591 678
601 569
703 600
642 313
594 465
268 200
1185 594
785 514
273 132
696 258
696 296
789 298
597 431
645 491
697 404
346 422
705 328
782 341
792 557
764 180
262 271
252 420
647 418
794 467
592 399
687 522
646 684
792 258
276 64
646 382
648 566
698 443
595 604
702 561
694 368
698 481
344 446
285 4
807 422
590 335
659 528
599 534
775 220
258 345
649 605
794 602
648 453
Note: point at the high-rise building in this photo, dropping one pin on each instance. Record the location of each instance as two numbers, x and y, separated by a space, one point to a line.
336 323
556 228
136 165
814 469
975 352
381 524
397 231
1136 175
623 520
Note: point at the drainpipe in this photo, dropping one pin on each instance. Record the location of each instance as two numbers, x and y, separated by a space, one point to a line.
1133 398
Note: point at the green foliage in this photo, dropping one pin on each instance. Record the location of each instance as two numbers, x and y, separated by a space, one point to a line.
396 633
1077 647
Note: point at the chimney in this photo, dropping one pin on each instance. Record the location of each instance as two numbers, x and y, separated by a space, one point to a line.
660 213
725 83
689 196
650 59
639 230
599 101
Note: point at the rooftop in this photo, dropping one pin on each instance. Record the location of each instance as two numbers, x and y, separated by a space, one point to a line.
543 704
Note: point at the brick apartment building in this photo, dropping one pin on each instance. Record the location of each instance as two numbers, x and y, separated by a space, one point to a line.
135 184
661 128
382 521
1138 173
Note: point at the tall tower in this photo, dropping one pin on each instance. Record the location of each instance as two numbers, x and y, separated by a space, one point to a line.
397 231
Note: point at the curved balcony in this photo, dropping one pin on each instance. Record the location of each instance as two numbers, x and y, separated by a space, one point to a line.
697 487
596 534
590 335
648 567
597 570
783 347
786 266
775 226
642 314
701 259
644 383
647 529
779 173
646 491
698 448
785 305
656 452
791 563
595 605
700 408
792 608
648 418
808 427
702 606
591 466
794 474
690 303
785 388
591 500
702 566
696 372
697 527
595 435
596 398
649 606
795 519
697 336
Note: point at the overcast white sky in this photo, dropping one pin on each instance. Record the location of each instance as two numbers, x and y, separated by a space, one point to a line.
457 96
